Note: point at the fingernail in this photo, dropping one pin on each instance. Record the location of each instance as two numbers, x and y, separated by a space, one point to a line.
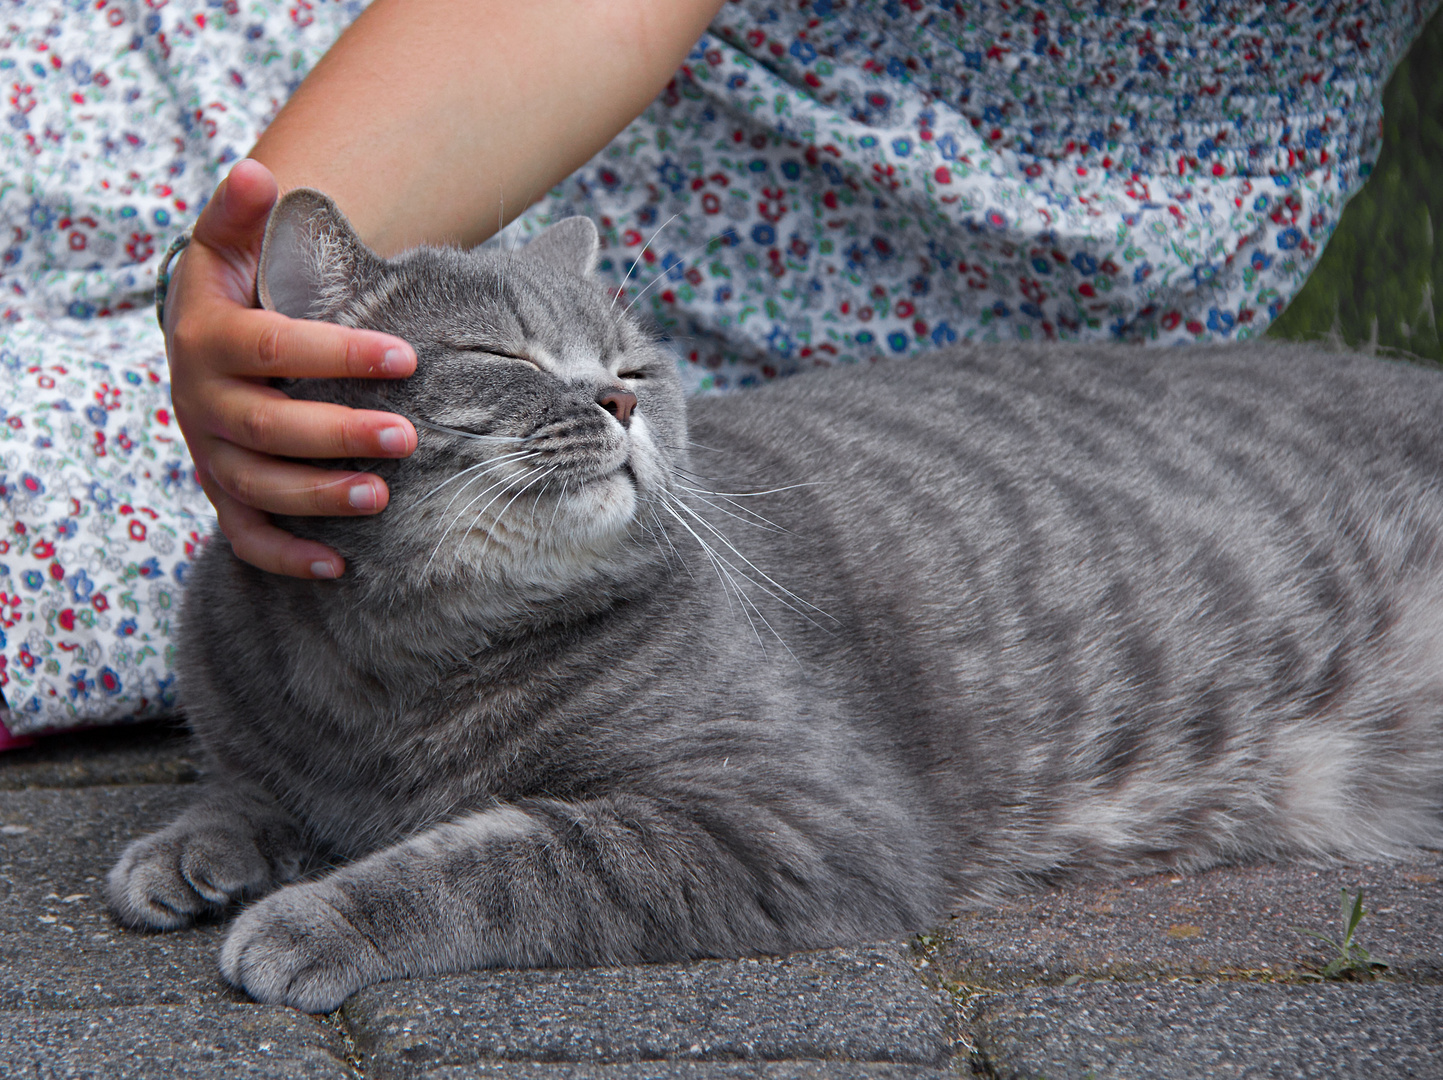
325 570
393 440
395 361
362 497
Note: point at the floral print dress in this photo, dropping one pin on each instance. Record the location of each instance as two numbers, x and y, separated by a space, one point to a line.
824 181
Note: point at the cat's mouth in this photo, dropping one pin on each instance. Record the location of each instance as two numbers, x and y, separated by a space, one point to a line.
606 473
626 472
620 482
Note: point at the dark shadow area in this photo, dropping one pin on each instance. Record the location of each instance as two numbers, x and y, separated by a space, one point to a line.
1377 282
151 752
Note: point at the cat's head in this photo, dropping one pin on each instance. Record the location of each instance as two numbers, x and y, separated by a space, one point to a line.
549 422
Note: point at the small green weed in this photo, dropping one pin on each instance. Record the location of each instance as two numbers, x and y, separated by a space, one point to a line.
1352 961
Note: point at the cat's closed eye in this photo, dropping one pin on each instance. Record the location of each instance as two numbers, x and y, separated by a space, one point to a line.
488 350
499 355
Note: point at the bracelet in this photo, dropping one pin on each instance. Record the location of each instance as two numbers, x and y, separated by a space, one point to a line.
162 276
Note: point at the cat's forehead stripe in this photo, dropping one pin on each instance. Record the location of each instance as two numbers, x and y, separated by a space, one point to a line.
566 332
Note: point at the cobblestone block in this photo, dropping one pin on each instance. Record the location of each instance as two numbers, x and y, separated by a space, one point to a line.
1232 921
862 1005
1186 1032
174 1042
689 1070
58 945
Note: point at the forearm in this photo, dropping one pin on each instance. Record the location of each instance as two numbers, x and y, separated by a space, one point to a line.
428 115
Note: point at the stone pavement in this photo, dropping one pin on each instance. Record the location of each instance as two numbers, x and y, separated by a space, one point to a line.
1161 977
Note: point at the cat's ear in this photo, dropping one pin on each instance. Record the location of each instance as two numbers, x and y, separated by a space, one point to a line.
312 261
569 246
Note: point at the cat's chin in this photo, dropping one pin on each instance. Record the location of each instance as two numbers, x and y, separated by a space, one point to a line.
554 548
600 511
581 525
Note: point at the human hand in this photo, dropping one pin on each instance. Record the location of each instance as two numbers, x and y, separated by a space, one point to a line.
224 352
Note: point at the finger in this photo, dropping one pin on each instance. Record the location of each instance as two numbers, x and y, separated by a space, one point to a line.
259 344
284 487
236 214
255 540
264 419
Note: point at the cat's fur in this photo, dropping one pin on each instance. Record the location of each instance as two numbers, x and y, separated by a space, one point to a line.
1003 613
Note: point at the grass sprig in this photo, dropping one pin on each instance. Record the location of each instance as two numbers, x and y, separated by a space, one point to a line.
1352 960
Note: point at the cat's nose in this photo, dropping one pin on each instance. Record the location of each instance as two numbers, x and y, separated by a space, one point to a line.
619 402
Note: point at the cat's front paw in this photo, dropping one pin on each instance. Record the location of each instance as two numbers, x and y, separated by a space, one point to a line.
169 879
296 948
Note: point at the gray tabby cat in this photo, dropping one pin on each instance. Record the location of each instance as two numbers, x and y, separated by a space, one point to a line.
994 615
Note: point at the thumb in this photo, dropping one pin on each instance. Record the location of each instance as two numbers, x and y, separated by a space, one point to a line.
235 217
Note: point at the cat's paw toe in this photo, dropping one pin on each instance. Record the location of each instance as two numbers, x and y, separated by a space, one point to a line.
168 880
296 948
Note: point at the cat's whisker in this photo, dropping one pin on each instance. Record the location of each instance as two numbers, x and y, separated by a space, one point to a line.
502 484
758 570
716 566
759 522
650 533
683 261
657 531
637 261
536 503
749 494
765 622
501 232
780 599
749 606
750 515
731 572
711 483
659 535
746 602
656 539
341 479
696 488
555 510
667 537
475 436
501 488
746 597
497 519
462 490
487 466
512 244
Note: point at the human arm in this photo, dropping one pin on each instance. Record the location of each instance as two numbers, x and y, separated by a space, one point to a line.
422 122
